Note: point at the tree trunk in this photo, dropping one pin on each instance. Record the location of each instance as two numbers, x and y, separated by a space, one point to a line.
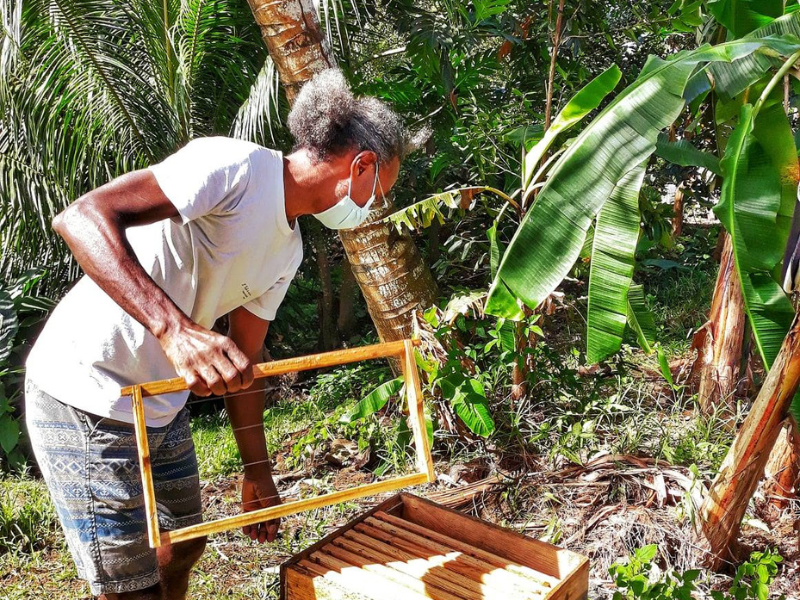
719 341
387 266
783 468
727 499
389 269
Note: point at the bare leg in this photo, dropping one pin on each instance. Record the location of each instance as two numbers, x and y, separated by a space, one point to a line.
175 562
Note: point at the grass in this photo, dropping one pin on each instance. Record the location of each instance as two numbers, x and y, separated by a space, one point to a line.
565 418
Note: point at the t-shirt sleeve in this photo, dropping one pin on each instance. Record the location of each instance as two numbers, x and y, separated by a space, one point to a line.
204 176
266 305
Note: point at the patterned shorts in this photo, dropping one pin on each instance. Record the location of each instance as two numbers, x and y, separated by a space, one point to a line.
91 468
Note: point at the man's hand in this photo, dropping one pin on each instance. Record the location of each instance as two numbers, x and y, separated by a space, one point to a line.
260 493
209 362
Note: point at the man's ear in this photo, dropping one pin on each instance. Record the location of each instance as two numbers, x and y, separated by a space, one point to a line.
366 160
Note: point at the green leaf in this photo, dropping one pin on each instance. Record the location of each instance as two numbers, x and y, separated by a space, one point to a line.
740 17
646 553
9 433
755 204
551 234
421 214
663 364
581 104
374 401
469 402
732 79
615 237
682 152
8 324
640 319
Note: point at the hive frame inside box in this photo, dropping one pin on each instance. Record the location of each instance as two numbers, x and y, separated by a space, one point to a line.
403 350
568 570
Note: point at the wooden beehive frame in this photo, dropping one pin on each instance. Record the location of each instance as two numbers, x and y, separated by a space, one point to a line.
403 350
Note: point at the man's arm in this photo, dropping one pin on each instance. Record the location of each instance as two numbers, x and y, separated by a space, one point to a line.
246 412
94 229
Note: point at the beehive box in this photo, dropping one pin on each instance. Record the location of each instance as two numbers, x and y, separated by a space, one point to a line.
407 548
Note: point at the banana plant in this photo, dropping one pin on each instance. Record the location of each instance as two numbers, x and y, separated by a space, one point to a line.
597 175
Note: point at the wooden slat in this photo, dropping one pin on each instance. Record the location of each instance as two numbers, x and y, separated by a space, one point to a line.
504 577
357 579
386 573
290 508
458 545
543 558
432 571
143 448
508 587
416 413
353 578
289 365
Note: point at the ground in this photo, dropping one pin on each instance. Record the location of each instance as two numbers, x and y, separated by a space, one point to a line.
600 461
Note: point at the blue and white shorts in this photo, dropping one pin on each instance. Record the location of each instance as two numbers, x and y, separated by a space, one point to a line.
91 467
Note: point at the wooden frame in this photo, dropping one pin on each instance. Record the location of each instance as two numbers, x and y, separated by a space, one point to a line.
565 574
403 350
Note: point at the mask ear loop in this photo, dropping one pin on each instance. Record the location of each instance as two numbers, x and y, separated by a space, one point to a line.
374 185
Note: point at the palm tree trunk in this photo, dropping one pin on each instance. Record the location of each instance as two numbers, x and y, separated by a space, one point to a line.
719 341
387 266
727 499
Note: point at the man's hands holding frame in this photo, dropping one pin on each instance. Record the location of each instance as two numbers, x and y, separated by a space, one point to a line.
404 350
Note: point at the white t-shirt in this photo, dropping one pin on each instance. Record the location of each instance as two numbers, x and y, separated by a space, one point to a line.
231 246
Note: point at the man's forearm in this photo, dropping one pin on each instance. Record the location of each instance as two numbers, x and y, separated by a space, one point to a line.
246 413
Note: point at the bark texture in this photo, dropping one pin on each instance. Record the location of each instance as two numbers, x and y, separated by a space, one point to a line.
295 42
783 467
719 341
387 266
725 504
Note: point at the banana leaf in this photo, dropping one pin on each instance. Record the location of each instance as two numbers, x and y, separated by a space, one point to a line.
683 153
740 17
756 203
613 253
640 319
374 401
581 104
622 136
732 79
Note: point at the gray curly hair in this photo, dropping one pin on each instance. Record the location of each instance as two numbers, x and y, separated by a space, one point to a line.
328 119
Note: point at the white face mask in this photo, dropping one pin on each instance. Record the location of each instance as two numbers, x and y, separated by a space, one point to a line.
346 214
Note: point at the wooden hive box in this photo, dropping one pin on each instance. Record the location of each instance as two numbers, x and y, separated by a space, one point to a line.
408 548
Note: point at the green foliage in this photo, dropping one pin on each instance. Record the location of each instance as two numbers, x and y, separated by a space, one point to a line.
753 578
551 234
615 236
755 207
581 104
741 17
374 401
21 311
682 152
91 89
633 577
27 517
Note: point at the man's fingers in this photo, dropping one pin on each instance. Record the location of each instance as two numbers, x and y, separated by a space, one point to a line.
196 384
213 380
231 376
241 362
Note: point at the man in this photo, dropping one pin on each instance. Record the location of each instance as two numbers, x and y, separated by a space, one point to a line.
212 230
